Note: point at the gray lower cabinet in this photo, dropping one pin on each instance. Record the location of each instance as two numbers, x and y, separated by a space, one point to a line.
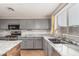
38 43
32 43
49 50
52 51
27 44
55 53
45 47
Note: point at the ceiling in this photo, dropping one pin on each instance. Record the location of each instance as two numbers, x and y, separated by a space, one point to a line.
27 10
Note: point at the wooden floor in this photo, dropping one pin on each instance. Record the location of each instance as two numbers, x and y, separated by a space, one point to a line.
32 53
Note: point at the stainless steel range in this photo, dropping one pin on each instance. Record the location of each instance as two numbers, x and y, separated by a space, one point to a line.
14 35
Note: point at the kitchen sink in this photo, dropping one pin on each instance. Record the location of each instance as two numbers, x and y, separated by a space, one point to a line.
57 41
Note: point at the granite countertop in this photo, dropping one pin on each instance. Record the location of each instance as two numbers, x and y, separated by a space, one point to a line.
64 49
5 46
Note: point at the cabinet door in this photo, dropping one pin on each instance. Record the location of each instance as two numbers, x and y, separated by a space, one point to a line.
45 45
38 43
72 52
50 50
27 44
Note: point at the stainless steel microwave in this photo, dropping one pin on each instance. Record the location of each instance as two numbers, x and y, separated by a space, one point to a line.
14 27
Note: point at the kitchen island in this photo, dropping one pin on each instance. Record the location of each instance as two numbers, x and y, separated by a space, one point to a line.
10 48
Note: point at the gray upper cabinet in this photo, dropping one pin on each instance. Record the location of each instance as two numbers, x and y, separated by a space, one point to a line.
37 24
27 24
22 22
5 22
42 24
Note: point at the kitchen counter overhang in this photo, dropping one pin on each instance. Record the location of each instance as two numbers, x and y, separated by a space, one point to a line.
6 46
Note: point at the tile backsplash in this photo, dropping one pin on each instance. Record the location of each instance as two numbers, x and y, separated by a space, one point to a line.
72 37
